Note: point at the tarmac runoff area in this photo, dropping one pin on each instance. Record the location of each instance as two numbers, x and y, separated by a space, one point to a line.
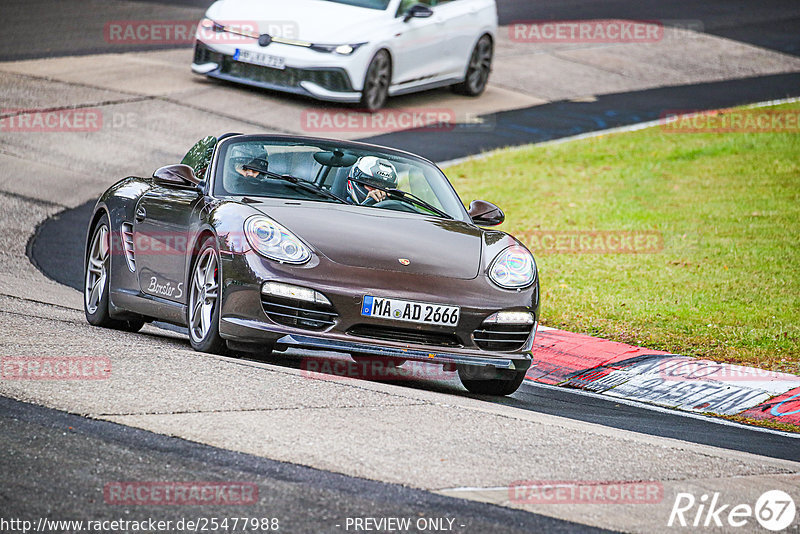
429 436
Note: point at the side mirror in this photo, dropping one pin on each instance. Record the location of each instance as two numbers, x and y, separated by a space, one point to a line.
485 213
418 11
176 175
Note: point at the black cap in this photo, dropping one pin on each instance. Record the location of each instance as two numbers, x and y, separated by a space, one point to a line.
257 164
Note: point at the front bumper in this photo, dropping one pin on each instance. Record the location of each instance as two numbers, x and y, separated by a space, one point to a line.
517 362
245 319
329 82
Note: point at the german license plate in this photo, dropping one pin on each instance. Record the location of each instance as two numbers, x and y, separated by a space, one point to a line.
409 311
257 58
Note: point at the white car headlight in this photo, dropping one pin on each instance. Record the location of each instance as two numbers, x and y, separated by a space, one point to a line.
342 50
272 240
209 24
514 268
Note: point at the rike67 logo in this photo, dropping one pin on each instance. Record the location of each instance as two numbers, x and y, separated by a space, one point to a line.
774 510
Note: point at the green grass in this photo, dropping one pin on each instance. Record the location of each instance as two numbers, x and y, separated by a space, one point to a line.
726 285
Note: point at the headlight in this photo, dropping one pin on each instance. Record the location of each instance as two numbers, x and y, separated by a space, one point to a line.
272 240
514 268
342 50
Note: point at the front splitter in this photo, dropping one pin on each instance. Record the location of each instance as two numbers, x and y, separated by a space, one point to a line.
522 362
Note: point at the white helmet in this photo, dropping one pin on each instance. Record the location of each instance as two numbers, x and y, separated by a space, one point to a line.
373 172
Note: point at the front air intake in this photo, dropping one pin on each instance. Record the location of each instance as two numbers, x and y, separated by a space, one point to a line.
405 335
502 337
299 313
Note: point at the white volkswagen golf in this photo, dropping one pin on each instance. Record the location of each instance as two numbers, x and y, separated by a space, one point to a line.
354 51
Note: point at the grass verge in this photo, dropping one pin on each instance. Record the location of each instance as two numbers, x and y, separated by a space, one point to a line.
723 279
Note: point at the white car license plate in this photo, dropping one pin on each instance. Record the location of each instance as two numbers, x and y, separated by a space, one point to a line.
257 58
412 312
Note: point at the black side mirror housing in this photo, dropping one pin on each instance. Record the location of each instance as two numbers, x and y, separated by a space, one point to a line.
418 11
485 213
177 175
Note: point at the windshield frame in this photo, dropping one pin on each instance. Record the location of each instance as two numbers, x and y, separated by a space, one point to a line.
215 169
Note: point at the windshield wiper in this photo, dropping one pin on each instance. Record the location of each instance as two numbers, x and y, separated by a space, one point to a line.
413 199
407 197
305 185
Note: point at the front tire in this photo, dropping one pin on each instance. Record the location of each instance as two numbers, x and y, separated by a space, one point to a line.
478 70
97 281
490 381
376 82
261 350
204 300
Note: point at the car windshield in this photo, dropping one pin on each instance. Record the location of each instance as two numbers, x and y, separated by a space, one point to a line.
371 4
326 171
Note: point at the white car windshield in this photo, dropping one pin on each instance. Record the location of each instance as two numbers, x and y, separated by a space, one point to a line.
371 4
326 171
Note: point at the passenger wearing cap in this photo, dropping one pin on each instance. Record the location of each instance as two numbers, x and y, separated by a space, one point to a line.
367 178
252 168
245 174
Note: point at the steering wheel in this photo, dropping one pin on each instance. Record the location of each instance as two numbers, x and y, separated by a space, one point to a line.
369 201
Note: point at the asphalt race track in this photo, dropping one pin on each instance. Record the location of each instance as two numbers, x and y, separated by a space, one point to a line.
769 27
64 458
303 499
564 119
775 24
57 246
53 250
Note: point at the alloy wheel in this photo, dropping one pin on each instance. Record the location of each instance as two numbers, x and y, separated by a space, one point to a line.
376 85
97 269
203 295
480 65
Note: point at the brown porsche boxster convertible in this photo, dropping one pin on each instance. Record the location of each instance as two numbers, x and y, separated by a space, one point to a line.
266 242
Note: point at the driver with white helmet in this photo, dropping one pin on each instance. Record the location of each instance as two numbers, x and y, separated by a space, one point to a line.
367 175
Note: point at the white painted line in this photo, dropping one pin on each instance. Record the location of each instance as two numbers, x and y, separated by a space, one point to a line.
659 409
598 133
